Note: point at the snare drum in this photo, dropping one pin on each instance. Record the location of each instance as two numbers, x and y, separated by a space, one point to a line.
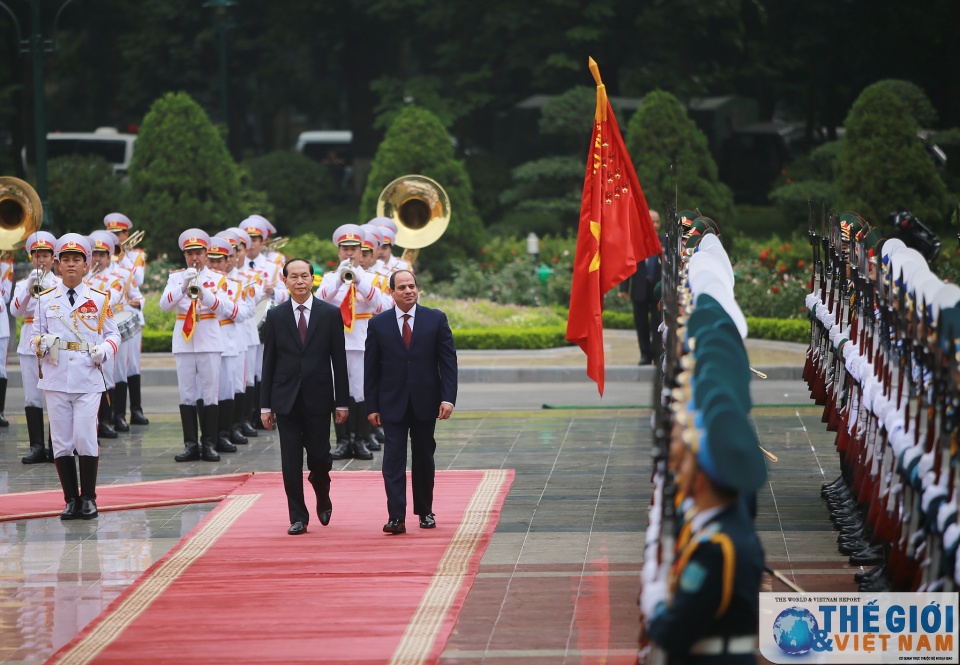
128 323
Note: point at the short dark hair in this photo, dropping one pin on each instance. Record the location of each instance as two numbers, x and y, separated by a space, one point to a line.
309 265
393 282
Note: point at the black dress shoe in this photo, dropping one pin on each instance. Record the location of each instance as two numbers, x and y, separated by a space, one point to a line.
224 445
120 424
246 429
105 431
137 417
868 575
3 421
372 444
428 521
236 436
868 557
88 508
72 511
342 451
297 528
394 527
358 450
191 453
324 510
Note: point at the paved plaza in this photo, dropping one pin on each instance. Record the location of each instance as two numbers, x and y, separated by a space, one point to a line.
559 581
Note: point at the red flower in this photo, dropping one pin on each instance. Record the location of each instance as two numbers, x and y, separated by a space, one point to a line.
483 250
800 263
789 180
556 259
332 263
776 289
788 247
781 268
513 251
765 253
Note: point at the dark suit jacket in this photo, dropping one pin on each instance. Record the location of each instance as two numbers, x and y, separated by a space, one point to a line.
640 285
289 366
422 376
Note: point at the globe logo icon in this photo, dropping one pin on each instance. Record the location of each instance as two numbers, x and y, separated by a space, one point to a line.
793 630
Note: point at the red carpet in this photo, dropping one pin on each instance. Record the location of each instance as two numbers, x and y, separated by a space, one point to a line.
238 589
147 494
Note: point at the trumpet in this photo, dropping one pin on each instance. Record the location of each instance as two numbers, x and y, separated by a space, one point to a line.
348 274
38 287
193 290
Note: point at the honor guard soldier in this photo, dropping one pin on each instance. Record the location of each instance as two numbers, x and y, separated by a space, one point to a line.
197 345
273 292
105 277
220 260
6 292
390 262
74 336
351 289
128 378
40 245
246 398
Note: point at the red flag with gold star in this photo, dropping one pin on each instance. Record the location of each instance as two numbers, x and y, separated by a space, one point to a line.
615 232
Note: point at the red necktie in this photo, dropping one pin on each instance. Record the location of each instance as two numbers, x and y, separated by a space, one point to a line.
302 324
407 331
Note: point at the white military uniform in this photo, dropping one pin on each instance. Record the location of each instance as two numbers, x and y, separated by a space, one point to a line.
234 341
248 335
6 292
104 282
72 381
197 358
25 305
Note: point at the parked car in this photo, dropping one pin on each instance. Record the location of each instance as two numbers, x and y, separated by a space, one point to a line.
106 142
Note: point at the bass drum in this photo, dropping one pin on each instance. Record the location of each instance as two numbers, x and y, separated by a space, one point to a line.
128 323
260 316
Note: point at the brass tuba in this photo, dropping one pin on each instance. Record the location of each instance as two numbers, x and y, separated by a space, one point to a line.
21 212
419 207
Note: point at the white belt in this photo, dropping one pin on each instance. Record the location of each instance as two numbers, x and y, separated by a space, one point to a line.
73 346
715 646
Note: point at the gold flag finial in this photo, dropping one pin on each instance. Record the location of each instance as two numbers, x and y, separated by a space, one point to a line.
601 114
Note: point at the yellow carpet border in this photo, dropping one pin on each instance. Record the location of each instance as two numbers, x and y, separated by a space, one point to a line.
424 627
113 624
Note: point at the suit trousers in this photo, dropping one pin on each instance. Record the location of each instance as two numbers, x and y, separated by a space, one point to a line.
422 448
305 428
646 319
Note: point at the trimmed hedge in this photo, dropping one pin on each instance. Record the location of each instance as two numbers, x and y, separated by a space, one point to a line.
549 337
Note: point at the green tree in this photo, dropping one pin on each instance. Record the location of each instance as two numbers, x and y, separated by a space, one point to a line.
883 166
82 191
660 135
298 188
417 143
181 175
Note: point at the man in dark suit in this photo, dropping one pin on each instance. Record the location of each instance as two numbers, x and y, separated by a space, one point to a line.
639 288
302 342
410 381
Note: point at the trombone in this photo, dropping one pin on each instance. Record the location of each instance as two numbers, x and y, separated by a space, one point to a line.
132 241
276 243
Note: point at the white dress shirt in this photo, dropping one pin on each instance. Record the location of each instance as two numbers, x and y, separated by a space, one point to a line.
401 314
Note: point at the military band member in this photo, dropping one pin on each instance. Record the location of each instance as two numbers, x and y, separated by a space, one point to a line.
390 262
220 260
197 345
134 259
75 335
273 288
358 300
6 292
245 399
40 246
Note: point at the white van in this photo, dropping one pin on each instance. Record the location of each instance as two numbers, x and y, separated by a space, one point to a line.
104 142
326 145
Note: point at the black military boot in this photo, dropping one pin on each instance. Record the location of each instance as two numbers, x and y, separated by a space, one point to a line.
35 432
3 402
378 434
67 471
342 450
88 486
118 396
255 419
358 447
224 414
236 433
136 406
246 425
105 418
364 431
209 422
191 440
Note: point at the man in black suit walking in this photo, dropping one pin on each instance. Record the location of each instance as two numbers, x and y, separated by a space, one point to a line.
639 288
410 382
302 341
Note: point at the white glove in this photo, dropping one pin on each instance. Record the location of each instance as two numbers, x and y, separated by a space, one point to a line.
46 342
98 353
187 278
208 298
652 595
32 277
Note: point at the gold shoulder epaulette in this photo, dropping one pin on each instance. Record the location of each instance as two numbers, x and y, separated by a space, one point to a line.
103 293
47 290
177 270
